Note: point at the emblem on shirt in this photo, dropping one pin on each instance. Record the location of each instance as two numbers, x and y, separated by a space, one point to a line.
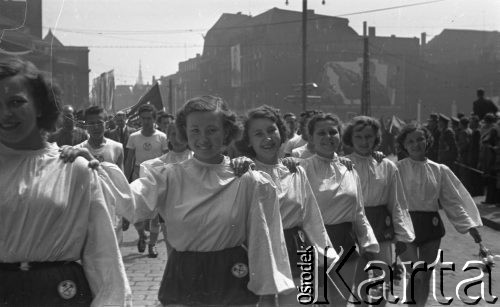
67 289
239 270
387 221
147 146
435 221
302 236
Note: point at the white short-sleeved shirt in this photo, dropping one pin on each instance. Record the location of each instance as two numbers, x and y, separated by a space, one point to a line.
147 147
110 151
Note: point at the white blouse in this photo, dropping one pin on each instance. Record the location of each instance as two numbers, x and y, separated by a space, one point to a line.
339 195
426 182
381 185
52 211
298 206
207 208
172 157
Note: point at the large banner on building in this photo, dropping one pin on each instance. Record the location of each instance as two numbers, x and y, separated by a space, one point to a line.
103 91
235 66
342 82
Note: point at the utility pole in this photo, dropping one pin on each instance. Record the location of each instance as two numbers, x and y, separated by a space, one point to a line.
304 52
170 97
365 87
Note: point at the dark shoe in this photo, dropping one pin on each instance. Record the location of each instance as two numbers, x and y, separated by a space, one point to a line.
152 251
125 224
141 245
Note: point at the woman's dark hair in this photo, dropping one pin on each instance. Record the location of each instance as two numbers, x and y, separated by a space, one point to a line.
266 112
46 94
409 128
231 126
364 121
311 125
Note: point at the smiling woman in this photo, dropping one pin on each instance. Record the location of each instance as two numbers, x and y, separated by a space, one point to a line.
56 241
225 231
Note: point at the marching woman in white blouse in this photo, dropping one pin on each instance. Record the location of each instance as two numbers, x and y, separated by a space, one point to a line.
225 230
264 133
383 194
428 187
339 195
57 244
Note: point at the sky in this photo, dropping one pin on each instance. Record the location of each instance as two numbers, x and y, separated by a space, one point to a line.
161 33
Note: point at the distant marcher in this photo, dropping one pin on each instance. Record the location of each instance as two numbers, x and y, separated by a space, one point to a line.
464 135
481 106
473 157
294 140
68 134
145 144
307 150
432 126
487 157
447 149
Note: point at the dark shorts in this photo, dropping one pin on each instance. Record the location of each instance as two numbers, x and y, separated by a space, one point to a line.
217 278
428 226
295 240
381 221
342 235
44 284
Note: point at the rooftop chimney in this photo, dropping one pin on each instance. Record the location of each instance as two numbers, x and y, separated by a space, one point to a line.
371 31
423 38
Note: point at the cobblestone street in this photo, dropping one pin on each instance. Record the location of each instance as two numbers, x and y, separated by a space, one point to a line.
145 274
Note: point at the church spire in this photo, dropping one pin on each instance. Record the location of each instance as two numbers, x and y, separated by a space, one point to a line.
140 81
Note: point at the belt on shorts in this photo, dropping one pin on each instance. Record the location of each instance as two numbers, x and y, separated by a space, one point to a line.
30 266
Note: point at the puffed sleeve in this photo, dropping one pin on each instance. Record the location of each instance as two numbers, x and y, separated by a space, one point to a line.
116 190
364 232
457 203
398 207
149 189
312 221
267 254
101 258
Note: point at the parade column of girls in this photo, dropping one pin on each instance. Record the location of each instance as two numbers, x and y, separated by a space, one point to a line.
264 133
339 195
384 199
57 243
428 187
226 231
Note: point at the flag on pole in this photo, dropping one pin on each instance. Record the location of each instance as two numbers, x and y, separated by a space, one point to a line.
153 97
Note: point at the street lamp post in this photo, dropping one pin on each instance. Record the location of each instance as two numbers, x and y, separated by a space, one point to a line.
304 52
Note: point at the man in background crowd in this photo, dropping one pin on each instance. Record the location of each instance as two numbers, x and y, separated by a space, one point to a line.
481 106
145 144
447 147
164 119
102 148
294 140
68 134
432 125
